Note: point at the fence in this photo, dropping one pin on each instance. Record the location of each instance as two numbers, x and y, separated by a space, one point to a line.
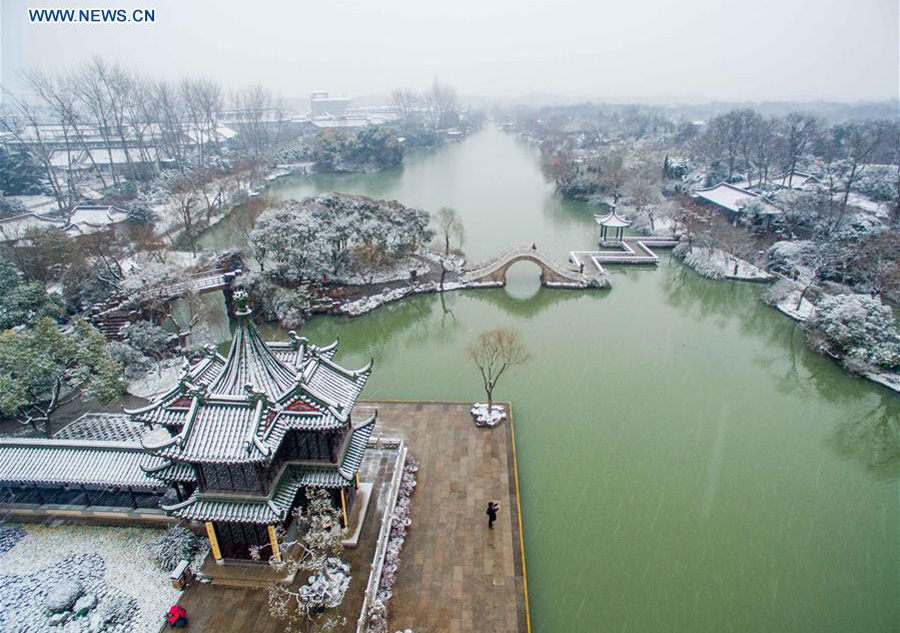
387 521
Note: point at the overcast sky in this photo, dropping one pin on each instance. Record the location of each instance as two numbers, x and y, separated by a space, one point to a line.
843 50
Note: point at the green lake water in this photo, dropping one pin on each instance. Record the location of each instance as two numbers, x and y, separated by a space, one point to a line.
686 463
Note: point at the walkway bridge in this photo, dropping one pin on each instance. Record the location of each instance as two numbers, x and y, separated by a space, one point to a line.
554 274
111 316
630 250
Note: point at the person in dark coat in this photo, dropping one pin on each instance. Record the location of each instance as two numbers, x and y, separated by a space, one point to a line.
492 509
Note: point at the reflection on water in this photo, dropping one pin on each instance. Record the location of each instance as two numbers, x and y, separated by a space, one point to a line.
688 463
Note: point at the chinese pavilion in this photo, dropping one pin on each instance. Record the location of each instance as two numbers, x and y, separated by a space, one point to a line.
242 437
611 220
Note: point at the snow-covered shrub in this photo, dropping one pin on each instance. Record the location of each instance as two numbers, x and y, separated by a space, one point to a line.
135 363
858 227
140 210
700 260
778 292
175 545
879 182
681 249
856 327
112 613
785 256
9 536
274 302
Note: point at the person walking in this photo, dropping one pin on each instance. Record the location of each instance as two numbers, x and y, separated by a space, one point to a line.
492 509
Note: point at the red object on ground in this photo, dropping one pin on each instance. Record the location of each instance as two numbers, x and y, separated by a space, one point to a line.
176 612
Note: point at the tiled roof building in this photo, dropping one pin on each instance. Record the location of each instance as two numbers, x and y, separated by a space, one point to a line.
245 435
234 445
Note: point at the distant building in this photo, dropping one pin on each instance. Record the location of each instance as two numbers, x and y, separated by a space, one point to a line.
734 201
321 105
13 229
83 220
233 447
86 219
144 163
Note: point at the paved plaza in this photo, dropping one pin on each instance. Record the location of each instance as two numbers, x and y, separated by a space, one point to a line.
456 575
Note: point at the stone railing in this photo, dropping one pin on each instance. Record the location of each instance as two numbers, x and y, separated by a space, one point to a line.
384 534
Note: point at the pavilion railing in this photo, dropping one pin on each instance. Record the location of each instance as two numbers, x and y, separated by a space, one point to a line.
387 521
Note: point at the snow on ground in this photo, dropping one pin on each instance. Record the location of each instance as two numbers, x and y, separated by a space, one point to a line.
716 264
367 304
787 304
106 560
153 383
860 201
401 270
485 418
889 379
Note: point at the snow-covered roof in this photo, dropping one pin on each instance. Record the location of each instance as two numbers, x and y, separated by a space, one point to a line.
328 124
108 427
795 180
12 229
273 508
612 219
239 408
733 198
89 218
74 462
120 156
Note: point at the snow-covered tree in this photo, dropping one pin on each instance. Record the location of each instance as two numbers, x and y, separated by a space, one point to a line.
856 327
42 368
313 238
320 547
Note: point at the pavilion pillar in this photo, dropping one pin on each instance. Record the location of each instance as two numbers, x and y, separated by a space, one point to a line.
273 541
357 479
344 508
133 498
214 542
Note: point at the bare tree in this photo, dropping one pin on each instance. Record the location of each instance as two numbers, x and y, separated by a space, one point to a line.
798 133
494 352
644 191
251 106
450 227
442 102
27 132
406 102
185 196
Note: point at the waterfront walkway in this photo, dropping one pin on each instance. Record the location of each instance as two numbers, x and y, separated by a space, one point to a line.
456 575
630 250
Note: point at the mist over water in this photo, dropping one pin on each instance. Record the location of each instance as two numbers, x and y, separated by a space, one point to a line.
687 463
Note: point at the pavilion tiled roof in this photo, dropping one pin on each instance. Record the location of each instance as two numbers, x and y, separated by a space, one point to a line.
238 408
110 427
612 219
168 471
273 509
75 462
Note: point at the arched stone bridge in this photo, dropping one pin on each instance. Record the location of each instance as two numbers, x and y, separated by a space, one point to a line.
553 273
